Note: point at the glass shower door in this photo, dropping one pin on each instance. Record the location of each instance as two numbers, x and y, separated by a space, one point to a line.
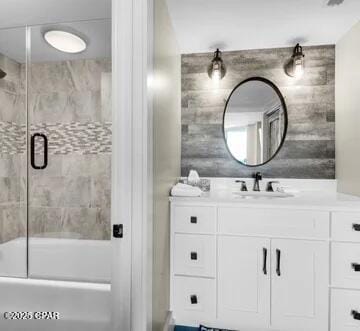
13 160
70 173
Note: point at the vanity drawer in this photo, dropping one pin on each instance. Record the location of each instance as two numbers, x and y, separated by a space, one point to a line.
345 304
194 255
274 222
346 226
345 265
189 219
194 300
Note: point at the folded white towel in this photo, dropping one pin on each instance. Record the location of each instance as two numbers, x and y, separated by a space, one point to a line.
184 190
183 186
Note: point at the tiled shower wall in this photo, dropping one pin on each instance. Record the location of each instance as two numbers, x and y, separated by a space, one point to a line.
309 149
12 152
71 103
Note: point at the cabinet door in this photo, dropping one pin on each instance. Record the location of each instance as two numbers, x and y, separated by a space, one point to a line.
300 278
243 282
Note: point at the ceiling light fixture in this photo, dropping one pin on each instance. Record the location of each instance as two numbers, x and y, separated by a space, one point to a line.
217 69
296 66
65 41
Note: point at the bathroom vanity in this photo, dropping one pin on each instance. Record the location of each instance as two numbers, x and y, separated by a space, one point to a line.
266 264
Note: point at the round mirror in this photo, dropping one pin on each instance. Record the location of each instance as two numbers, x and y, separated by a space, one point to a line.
255 121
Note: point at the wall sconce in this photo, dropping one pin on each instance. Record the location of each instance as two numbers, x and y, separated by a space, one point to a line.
2 74
296 66
217 69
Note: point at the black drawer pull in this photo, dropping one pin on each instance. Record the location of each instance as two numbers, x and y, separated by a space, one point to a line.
193 256
356 227
193 219
193 299
278 256
356 267
356 315
264 261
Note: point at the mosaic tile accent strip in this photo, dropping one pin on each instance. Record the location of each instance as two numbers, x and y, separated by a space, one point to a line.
79 138
12 138
64 138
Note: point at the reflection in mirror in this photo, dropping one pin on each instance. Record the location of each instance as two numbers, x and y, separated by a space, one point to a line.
255 122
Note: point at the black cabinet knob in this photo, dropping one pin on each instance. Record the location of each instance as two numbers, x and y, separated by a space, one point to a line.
356 227
356 315
193 219
193 256
356 267
193 299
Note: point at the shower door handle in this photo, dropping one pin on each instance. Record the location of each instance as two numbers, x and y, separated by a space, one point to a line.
32 147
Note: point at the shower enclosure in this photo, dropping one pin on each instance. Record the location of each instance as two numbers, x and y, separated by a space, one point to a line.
55 166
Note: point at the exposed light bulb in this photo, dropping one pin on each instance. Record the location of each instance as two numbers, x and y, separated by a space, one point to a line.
298 69
217 69
296 66
216 76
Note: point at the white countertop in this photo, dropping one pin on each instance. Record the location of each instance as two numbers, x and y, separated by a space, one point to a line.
310 200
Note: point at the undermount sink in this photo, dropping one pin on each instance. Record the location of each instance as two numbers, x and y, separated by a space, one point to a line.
263 194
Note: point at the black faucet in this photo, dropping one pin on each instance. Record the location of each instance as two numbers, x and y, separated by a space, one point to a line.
258 177
243 185
269 187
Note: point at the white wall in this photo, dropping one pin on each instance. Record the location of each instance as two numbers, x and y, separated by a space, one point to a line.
348 112
167 152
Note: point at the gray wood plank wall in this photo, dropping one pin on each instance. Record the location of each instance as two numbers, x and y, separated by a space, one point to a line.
309 149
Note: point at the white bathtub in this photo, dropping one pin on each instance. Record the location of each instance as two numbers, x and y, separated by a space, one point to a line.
79 289
13 258
70 259
57 259
81 306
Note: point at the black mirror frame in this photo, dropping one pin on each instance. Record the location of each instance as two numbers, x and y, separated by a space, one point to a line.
282 99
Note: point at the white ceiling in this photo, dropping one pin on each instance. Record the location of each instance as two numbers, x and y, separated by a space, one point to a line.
97 35
202 25
34 12
253 96
92 22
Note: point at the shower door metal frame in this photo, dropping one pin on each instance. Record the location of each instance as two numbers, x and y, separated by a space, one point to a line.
132 58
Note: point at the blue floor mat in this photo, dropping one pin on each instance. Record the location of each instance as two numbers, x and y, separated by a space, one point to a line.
185 328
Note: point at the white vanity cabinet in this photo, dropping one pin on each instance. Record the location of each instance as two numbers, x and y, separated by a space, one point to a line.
299 285
249 268
291 283
345 271
243 281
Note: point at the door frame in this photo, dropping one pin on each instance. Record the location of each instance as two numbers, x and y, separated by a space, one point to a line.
132 174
